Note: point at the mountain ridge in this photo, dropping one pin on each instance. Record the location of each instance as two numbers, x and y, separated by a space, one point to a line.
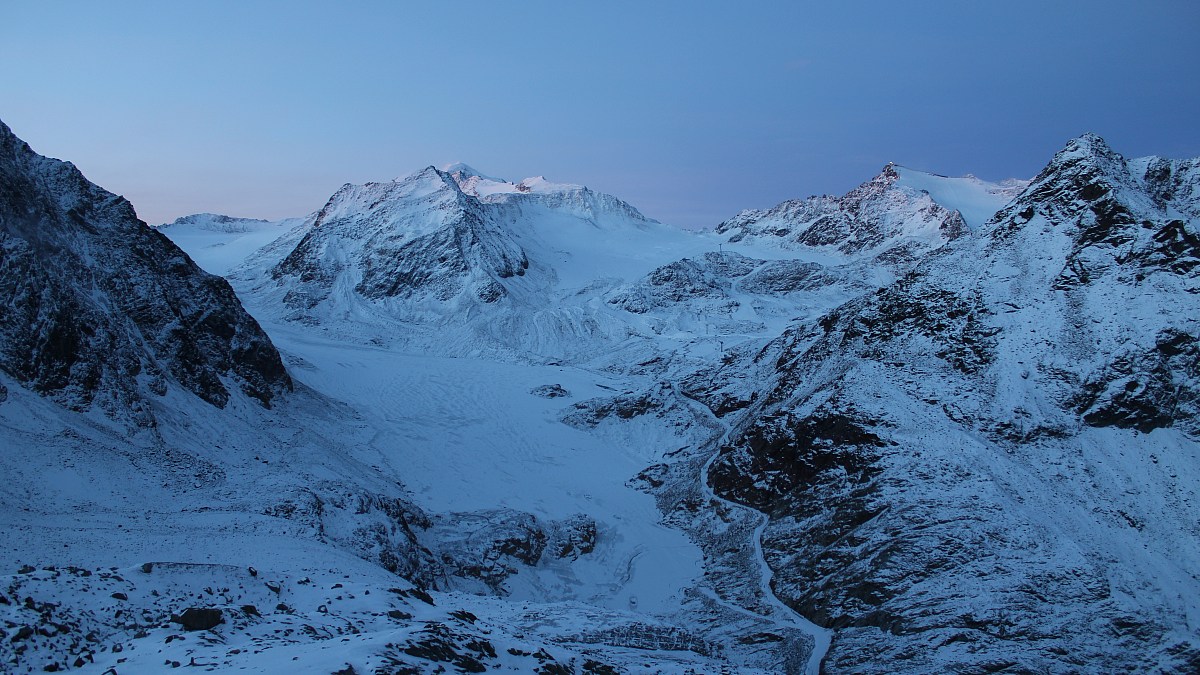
964 414
954 440
104 305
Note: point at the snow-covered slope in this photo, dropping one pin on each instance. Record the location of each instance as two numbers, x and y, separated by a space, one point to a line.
992 463
217 243
976 200
577 200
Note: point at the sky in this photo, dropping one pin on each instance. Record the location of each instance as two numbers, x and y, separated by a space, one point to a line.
691 111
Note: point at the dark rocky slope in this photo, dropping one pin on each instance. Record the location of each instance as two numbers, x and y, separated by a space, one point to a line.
990 465
103 311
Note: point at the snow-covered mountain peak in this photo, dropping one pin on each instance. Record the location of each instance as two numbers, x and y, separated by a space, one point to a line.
1087 143
878 216
540 184
475 183
418 238
464 170
417 201
569 198
478 185
1087 153
1092 187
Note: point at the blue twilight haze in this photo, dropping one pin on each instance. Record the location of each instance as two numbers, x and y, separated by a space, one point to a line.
689 110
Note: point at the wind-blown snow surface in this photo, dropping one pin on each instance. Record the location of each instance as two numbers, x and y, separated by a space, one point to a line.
469 435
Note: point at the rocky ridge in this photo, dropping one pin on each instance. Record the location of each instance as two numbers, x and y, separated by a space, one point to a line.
413 239
880 216
957 467
105 312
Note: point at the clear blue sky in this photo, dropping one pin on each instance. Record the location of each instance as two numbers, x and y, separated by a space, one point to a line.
689 110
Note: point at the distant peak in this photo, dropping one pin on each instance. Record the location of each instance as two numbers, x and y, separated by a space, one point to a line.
1086 145
460 167
213 217
428 174
1089 141
463 171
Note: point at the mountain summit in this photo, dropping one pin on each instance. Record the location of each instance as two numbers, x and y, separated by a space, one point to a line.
878 216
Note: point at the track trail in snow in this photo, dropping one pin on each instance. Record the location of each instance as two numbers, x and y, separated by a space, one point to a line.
784 615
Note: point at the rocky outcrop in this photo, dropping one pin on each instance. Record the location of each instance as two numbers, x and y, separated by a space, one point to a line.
199 618
874 217
719 282
105 311
388 530
490 546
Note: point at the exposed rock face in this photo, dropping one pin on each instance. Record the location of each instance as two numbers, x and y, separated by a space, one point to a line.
719 283
952 464
488 547
418 238
874 217
1127 232
102 310
199 618
679 282
550 391
388 530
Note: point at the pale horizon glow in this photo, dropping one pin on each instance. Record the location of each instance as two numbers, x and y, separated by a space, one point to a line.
689 111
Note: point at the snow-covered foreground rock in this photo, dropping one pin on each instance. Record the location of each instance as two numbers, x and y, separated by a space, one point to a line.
936 424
